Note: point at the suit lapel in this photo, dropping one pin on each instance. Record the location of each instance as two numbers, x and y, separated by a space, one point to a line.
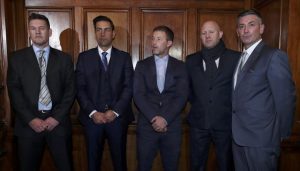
221 66
113 62
35 73
33 62
51 62
152 72
249 63
169 73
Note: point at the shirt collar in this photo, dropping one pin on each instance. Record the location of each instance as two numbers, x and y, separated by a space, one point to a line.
165 58
37 49
108 51
252 47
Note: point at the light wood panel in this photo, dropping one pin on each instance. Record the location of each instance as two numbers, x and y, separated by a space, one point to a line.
174 19
227 22
121 20
61 23
71 21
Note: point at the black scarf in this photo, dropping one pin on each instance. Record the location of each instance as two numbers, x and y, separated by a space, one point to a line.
209 56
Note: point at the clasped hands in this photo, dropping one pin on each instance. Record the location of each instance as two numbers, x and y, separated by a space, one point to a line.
39 125
106 117
159 124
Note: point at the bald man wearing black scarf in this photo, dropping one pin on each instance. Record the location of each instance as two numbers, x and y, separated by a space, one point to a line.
210 72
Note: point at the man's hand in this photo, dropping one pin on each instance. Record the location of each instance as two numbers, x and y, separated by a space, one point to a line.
51 123
159 124
38 125
99 118
110 115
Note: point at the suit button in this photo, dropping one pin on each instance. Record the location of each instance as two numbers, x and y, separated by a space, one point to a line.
233 111
210 88
210 101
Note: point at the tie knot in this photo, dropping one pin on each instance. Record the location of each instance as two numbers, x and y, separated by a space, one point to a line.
41 53
243 59
104 54
244 54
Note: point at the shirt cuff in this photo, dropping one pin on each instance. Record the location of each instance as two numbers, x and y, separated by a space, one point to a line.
91 114
165 121
117 115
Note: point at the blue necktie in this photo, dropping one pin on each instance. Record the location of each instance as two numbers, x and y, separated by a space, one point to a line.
104 60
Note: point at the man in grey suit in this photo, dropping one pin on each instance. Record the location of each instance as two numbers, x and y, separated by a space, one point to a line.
263 99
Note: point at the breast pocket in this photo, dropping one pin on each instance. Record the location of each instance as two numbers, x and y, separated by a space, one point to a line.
255 77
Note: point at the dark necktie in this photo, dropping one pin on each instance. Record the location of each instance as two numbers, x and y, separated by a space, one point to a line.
44 96
104 60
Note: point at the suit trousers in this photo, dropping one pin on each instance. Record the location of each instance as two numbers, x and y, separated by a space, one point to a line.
116 135
30 150
149 142
255 158
200 141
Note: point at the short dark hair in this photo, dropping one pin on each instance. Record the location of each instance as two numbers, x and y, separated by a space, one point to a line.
36 16
251 11
167 30
103 18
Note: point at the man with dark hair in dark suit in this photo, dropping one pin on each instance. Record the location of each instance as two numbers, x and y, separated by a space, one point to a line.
41 88
210 71
263 99
160 93
104 78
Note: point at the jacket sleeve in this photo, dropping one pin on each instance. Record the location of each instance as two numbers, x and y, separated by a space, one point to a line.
283 91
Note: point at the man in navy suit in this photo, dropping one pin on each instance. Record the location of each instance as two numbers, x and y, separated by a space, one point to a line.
210 71
160 93
41 88
263 99
104 78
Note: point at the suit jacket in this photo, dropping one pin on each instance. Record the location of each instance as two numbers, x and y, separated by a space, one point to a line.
211 102
120 74
151 102
23 81
263 100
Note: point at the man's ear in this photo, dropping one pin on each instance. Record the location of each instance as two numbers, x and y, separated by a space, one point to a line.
169 43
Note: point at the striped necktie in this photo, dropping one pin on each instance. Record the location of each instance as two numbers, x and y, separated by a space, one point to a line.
44 96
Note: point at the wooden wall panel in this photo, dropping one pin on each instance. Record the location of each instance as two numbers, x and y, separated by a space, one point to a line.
61 23
227 22
175 19
272 19
71 21
121 20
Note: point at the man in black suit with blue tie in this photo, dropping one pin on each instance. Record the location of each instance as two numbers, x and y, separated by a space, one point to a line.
263 99
104 78
160 93
41 88
210 72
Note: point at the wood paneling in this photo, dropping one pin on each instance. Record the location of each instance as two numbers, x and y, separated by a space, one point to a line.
121 20
61 23
73 32
227 22
175 19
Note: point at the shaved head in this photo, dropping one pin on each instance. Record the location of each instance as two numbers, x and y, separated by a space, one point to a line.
210 34
211 23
